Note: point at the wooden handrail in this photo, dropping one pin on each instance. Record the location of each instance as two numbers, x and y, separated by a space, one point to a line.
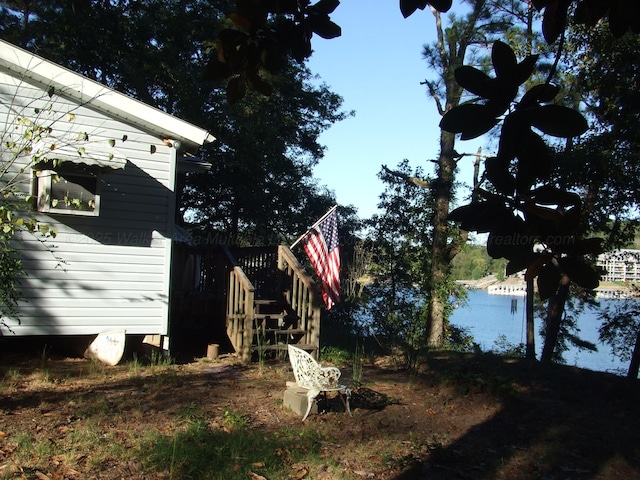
240 300
303 296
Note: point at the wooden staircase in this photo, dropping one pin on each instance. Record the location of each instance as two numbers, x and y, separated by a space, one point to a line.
271 302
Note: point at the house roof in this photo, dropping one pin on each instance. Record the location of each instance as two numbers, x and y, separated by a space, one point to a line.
67 83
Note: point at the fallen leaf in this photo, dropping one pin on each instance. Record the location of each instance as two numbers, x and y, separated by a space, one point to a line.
255 476
300 474
3 435
42 476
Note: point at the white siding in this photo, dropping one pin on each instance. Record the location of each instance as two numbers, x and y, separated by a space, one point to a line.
108 271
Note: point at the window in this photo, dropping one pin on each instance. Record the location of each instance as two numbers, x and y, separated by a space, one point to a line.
67 191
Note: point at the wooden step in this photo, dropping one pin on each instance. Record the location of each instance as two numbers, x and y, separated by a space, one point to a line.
284 346
281 331
264 301
262 316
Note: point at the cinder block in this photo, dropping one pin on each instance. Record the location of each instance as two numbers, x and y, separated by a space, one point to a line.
295 398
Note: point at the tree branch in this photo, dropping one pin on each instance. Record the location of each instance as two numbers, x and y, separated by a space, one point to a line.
433 91
419 182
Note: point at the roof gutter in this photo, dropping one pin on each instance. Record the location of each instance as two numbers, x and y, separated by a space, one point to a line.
72 85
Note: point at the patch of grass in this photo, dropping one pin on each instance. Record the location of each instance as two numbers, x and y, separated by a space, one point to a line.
335 355
201 451
10 378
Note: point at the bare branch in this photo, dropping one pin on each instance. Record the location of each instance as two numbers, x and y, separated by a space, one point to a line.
419 182
433 91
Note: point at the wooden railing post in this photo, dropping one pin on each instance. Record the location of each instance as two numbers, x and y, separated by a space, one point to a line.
303 297
240 299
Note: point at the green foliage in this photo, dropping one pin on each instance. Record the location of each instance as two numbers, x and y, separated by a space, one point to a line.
335 355
398 307
605 165
460 340
202 450
532 223
251 45
357 363
250 180
621 327
505 348
473 263
18 156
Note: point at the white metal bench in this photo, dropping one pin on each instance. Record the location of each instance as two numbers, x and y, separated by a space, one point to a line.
315 378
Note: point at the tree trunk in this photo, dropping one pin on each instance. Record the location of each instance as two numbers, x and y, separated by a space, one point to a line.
441 254
634 366
531 333
555 310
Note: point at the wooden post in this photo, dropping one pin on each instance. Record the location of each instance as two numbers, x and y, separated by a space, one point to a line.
212 351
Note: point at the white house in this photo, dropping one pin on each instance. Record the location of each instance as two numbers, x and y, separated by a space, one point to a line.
102 169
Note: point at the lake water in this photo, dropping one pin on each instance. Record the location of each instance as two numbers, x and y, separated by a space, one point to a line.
486 317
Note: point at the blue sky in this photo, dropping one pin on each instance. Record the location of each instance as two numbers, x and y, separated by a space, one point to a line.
377 66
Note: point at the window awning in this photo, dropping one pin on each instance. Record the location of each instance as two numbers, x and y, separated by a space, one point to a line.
98 155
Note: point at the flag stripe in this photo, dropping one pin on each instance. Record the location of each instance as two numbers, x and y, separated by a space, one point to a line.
322 247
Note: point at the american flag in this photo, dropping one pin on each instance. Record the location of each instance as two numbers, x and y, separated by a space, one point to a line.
321 245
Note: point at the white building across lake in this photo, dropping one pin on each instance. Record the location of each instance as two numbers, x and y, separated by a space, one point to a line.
620 266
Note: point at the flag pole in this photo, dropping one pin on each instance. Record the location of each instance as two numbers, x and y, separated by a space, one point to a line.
331 210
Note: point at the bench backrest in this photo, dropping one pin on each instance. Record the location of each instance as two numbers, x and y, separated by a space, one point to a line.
309 374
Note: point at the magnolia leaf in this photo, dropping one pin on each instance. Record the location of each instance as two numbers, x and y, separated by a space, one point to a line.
481 217
281 6
533 269
551 195
260 85
518 264
124 138
81 151
579 272
470 120
152 149
619 18
326 6
509 243
236 89
216 70
544 213
51 91
548 281
524 70
54 202
559 121
514 129
71 117
475 81
407 7
503 58
501 98
441 5
300 43
544 92
324 27
497 172
240 21
554 20
534 160
587 246
112 142
589 13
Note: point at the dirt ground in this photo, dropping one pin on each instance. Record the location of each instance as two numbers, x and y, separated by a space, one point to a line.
464 417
